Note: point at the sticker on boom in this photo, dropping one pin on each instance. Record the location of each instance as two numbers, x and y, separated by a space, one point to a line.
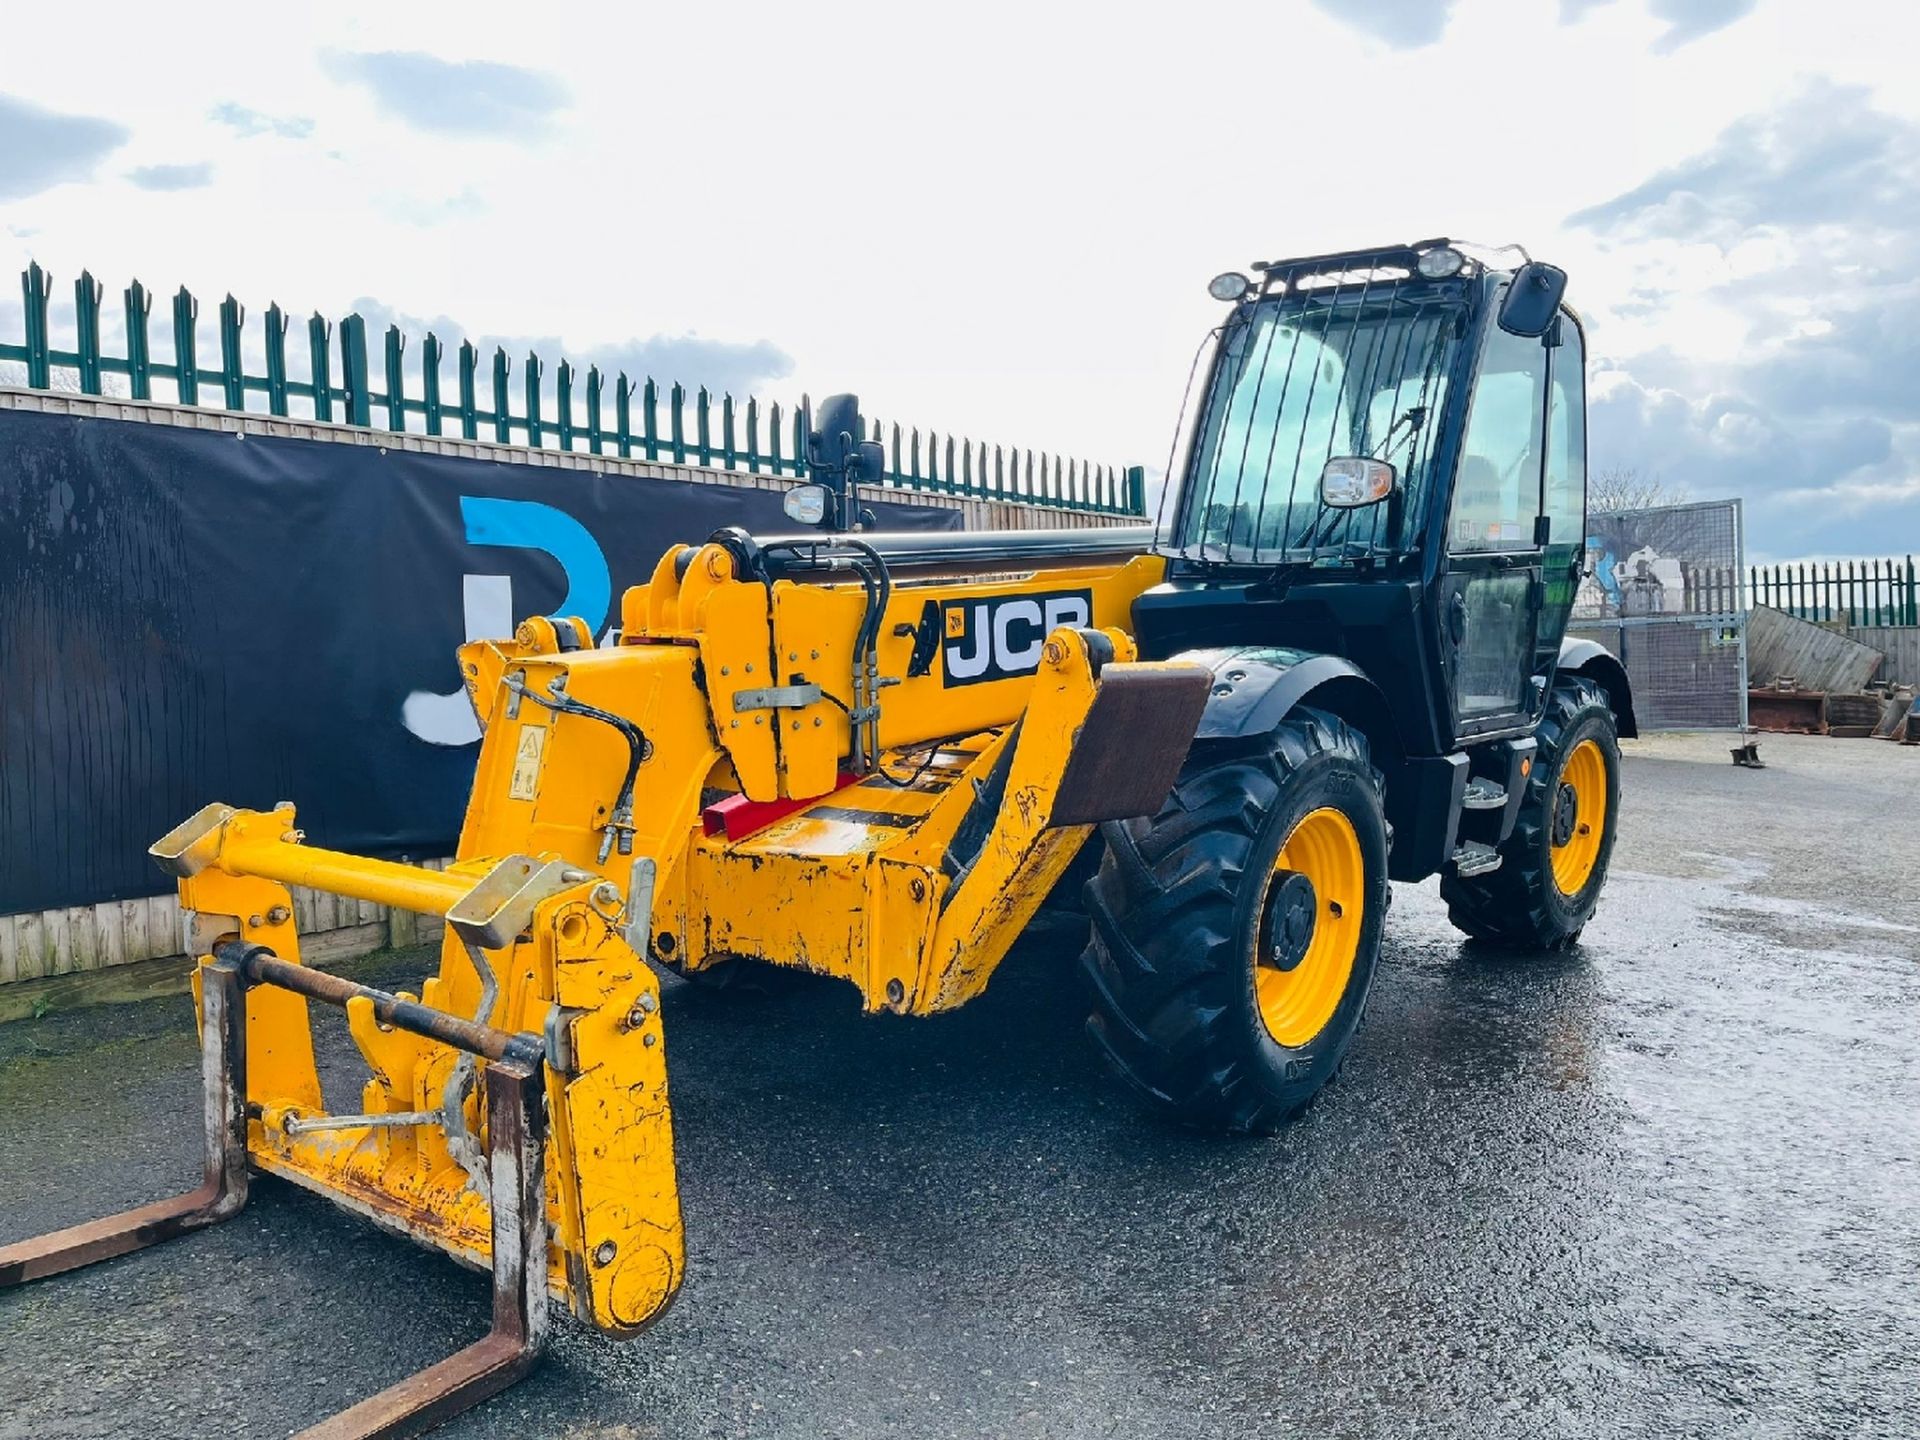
526 762
1000 639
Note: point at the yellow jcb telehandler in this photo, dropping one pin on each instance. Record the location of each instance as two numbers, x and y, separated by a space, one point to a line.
1339 661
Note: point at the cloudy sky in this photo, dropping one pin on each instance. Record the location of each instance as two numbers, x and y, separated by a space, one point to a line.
999 219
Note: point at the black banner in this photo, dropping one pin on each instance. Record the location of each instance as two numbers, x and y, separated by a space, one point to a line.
189 616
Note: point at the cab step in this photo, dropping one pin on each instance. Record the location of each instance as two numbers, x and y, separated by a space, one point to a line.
1484 794
1473 858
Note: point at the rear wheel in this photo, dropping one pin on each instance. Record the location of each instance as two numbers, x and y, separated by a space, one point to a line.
1235 933
1554 865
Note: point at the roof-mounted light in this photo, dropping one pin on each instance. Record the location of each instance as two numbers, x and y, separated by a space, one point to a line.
1229 287
1441 264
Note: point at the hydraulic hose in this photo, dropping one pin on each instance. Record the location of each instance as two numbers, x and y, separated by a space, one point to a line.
620 821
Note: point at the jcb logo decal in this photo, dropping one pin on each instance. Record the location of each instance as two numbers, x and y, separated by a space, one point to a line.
998 639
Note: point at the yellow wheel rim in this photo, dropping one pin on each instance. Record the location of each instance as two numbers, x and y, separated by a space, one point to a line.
1579 818
1296 1003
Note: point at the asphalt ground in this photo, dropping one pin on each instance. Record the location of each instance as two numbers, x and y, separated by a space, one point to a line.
1666 1185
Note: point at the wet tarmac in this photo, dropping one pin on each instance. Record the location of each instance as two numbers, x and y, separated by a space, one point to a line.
1668 1185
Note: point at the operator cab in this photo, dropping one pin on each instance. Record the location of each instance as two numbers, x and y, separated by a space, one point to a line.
1386 462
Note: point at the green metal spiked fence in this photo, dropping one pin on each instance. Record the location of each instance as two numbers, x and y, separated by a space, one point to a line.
1851 592
645 422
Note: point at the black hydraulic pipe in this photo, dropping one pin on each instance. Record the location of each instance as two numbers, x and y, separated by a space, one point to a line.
795 556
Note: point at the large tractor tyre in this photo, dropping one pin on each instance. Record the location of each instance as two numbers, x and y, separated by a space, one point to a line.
1554 864
1235 933
1067 900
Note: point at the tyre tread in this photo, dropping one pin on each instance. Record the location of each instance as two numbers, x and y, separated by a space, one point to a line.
1510 907
1163 955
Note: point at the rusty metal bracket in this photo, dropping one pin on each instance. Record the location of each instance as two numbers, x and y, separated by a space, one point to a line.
515 1097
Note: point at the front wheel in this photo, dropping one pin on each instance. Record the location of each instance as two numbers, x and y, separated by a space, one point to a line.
1554 865
1235 934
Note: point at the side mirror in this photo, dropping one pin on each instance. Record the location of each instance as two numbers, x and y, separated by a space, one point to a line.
1533 299
868 463
835 424
840 460
806 504
1352 482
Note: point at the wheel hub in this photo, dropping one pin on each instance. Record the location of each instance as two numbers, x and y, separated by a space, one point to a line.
1566 809
1295 907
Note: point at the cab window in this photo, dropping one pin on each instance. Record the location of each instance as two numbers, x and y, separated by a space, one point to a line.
1497 485
1566 483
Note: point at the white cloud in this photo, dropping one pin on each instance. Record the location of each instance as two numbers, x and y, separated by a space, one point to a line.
247 123
452 97
41 148
171 177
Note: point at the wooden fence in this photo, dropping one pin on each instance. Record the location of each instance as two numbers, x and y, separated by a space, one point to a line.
49 960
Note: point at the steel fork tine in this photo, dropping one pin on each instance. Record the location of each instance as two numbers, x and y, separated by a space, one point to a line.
517 1186
220 1196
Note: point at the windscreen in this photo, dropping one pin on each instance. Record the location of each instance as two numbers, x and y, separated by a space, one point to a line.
1302 379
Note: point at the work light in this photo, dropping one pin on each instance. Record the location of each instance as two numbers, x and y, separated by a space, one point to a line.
1230 286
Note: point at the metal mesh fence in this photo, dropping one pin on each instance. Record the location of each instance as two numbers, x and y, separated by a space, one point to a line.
1662 591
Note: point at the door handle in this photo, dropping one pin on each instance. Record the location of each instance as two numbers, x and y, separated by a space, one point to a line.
1457 620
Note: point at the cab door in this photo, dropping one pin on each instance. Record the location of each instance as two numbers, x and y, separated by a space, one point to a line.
1490 594
1565 495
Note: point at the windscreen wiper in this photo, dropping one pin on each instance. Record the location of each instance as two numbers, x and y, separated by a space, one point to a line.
1413 417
